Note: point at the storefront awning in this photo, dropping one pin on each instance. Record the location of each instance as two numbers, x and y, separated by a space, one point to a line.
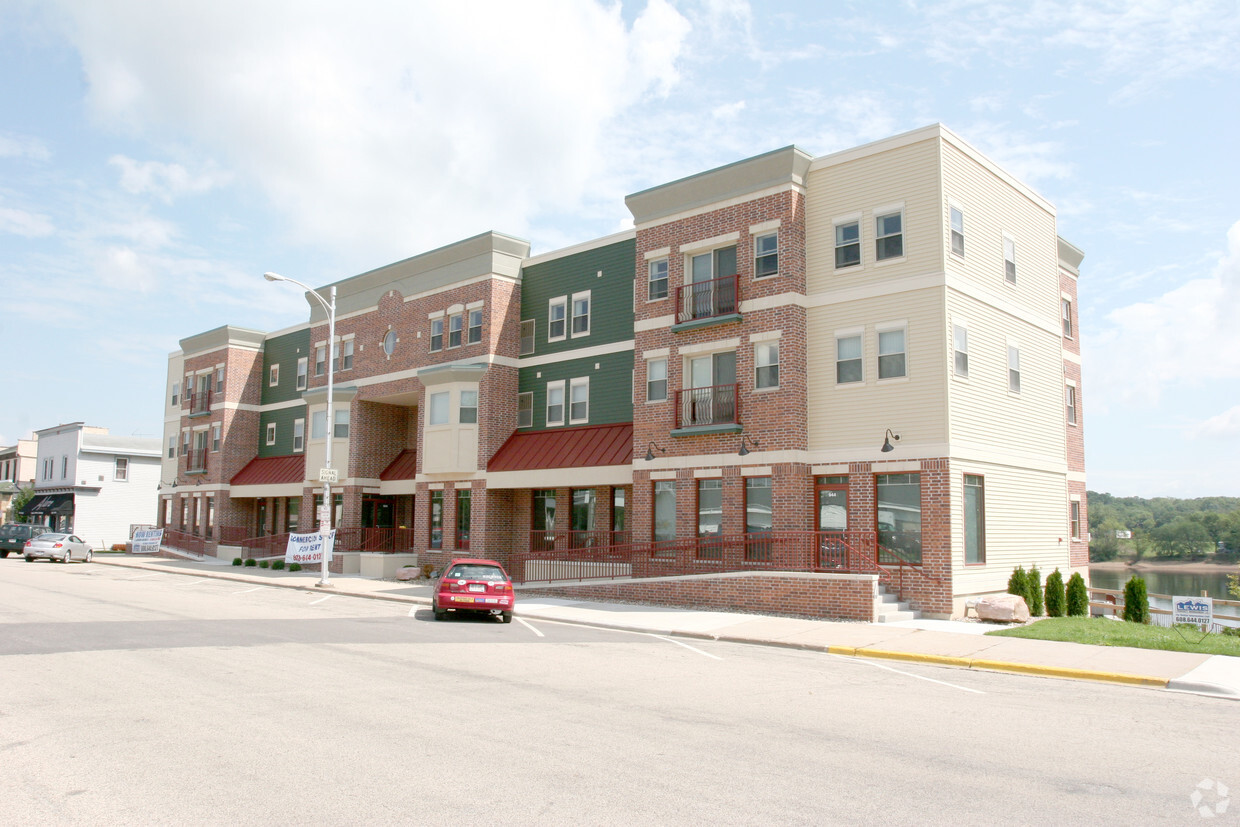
272 471
588 447
404 467
58 505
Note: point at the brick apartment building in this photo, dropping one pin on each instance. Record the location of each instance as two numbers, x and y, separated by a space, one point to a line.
805 377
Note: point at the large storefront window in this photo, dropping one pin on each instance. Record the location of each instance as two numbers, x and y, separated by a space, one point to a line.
617 510
664 511
974 520
710 518
436 538
582 518
463 503
292 514
337 515
899 517
543 519
758 518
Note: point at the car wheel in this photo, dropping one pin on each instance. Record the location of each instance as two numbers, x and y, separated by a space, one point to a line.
3 554
29 559
506 617
68 558
90 554
440 614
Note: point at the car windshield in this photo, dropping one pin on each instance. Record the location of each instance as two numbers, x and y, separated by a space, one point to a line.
52 537
473 571
10 530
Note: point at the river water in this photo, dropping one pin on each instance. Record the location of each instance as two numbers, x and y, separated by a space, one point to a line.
1188 584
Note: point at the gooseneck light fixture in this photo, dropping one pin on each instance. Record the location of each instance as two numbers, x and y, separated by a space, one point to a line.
887 446
330 307
650 449
744 451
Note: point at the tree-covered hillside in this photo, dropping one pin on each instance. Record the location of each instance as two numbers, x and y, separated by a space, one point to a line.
1164 526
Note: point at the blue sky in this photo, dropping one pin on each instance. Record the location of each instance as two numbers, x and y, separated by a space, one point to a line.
156 158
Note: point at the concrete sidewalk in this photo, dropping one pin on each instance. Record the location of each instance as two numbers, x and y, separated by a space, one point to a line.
946 643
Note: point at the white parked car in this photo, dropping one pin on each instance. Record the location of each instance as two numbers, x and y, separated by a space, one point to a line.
62 547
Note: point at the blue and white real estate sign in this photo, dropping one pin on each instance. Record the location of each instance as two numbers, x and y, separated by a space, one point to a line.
1196 611
146 540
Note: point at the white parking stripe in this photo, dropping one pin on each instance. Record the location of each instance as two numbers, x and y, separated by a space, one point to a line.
531 628
321 599
255 589
910 674
413 610
191 583
687 646
140 576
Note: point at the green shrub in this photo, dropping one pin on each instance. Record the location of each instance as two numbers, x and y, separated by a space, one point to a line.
1136 601
1055 597
251 562
277 564
1078 596
294 566
262 564
237 561
1021 583
1034 582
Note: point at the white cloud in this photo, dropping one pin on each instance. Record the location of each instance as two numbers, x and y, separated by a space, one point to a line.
405 127
1028 159
23 146
1223 426
23 223
164 181
728 111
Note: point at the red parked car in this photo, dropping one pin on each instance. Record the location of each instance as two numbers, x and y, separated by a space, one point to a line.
474 585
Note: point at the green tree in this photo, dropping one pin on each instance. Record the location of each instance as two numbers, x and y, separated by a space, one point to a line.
1034 583
1018 583
1136 601
1055 597
20 499
1078 596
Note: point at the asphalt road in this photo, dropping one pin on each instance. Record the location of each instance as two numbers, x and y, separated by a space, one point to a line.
144 698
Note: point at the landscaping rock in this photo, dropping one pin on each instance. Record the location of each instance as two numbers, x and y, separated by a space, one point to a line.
408 573
1003 608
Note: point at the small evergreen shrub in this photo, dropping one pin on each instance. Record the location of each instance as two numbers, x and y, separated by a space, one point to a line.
262 564
251 562
1136 601
1017 583
237 561
277 564
1034 583
294 566
1078 596
1055 597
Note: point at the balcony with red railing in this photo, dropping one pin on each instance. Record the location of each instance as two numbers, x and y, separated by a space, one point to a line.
715 405
715 299
199 403
196 461
553 540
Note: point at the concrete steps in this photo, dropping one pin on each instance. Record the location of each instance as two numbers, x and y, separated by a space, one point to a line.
890 609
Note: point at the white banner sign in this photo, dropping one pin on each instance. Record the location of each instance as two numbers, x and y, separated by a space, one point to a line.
147 540
1196 611
309 548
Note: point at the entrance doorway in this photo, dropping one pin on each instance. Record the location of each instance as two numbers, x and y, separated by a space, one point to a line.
831 494
378 512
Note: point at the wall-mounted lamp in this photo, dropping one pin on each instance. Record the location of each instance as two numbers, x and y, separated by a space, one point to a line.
887 446
172 484
650 449
744 452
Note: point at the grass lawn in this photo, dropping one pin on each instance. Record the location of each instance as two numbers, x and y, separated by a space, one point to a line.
1104 632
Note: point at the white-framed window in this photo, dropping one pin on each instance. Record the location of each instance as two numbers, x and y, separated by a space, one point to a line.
320 360
271 433
525 410
555 403
557 313
439 404
302 366
456 324
892 353
713 264
957 224
766 255
960 348
318 424
1013 367
184 442
581 313
847 243
656 279
299 435
172 447
467 413
1074 519
389 342
64 468
273 376
579 400
176 393
216 430
1009 259
1066 309
1069 397
342 423
219 380
473 334
120 469
437 334
766 364
529 328
848 361
342 354
889 235
656 380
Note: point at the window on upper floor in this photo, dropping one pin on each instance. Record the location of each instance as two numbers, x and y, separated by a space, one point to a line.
320 360
468 411
889 235
579 400
529 328
1014 368
342 423
581 313
456 323
656 279
960 348
439 404
301 373
525 410
437 334
120 469
1074 519
176 393
656 380
892 353
474 333
557 310
299 435
1069 396
271 433
273 376
957 221
766 365
847 244
172 447
64 468
766 255
715 264
184 443
389 342
1009 259
219 380
342 354
848 362
1066 309
216 429
555 403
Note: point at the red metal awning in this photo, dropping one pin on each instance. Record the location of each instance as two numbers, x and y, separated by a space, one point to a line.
404 467
586 447
272 471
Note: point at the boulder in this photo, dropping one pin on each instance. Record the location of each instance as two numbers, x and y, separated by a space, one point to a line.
414 572
1004 608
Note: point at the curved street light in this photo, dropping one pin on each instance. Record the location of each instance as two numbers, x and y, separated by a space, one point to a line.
330 307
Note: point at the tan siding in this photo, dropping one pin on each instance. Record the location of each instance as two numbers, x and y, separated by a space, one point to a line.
857 415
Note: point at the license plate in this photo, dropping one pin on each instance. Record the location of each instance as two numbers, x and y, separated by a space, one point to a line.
463 599
477 587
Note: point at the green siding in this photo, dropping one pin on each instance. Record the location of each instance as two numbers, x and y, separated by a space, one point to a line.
611 395
611 296
284 350
284 430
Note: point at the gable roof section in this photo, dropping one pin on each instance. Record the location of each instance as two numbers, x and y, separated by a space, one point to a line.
585 447
272 471
404 467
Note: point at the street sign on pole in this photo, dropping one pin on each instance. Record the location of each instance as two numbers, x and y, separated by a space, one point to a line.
331 475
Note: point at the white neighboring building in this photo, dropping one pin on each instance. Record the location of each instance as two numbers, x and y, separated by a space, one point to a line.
92 484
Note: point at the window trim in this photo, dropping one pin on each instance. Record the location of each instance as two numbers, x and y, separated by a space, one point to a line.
573 317
891 327
879 215
562 303
1013 349
430 408
952 211
532 338
557 385
271 433
120 469
176 394
1065 310
960 325
529 397
1009 240
836 224
303 372
757 238
758 346
1070 403
651 266
461 407
456 330
1074 518
473 332
666 385
341 413
217 432
320 359
981 544
299 441
859 335
669 488
273 375
436 340
573 385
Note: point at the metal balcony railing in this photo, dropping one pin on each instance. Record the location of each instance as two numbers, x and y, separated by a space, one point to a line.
715 405
196 461
199 403
706 299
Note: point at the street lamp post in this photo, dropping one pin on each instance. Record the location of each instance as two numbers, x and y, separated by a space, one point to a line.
330 429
